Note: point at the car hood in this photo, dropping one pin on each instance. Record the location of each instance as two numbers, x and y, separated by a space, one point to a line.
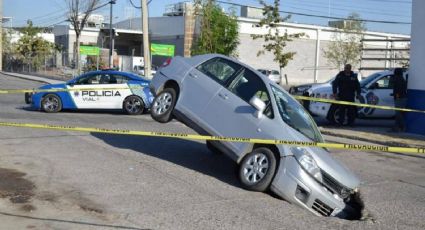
329 164
319 88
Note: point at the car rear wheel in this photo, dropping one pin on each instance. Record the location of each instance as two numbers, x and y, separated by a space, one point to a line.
257 169
333 116
133 105
163 105
51 103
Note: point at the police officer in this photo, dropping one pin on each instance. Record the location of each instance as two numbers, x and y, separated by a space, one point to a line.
345 87
399 85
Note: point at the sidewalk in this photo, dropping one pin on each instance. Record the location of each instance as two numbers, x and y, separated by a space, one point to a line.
33 78
377 135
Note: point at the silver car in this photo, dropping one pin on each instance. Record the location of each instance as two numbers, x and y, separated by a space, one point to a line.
217 95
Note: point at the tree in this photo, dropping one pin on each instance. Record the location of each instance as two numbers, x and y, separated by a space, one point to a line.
345 47
79 12
274 41
32 48
219 31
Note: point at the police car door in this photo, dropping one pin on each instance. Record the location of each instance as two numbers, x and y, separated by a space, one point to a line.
90 93
380 92
114 97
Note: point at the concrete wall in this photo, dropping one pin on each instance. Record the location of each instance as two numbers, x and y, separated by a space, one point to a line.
416 84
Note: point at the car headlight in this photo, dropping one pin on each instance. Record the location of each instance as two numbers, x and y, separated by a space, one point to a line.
307 162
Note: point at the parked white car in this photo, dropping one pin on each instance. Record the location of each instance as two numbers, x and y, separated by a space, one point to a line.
273 75
375 90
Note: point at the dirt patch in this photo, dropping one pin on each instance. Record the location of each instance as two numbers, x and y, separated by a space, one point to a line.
15 187
89 208
28 208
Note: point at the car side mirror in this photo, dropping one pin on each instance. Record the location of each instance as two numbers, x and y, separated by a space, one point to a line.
259 105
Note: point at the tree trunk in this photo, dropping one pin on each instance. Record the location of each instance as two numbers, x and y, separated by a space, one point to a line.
286 77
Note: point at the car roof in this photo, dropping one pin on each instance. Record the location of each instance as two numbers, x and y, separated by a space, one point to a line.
127 74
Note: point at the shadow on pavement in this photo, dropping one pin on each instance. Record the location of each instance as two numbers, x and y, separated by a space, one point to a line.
189 154
103 226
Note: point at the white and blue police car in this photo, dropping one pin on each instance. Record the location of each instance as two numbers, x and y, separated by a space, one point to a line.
105 89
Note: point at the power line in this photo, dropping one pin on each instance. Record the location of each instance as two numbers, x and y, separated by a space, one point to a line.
322 16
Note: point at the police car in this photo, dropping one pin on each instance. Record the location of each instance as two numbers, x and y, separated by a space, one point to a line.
107 89
375 90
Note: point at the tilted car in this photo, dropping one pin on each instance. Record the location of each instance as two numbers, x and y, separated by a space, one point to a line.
375 90
217 95
88 92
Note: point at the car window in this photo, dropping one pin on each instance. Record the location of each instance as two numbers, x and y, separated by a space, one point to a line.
383 83
89 80
121 79
247 84
275 72
219 69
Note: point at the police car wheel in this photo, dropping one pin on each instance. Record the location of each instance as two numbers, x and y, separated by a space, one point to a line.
51 103
257 169
163 105
133 105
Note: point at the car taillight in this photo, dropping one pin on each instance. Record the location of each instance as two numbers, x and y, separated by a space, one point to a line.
167 62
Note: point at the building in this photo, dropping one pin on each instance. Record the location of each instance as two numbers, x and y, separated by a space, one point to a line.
179 27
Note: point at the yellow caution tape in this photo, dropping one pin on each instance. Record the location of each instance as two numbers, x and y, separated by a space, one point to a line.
13 91
356 104
217 138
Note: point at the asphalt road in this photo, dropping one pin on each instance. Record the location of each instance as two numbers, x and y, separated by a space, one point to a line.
70 180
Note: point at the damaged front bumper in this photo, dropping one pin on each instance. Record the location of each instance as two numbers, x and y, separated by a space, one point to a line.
296 186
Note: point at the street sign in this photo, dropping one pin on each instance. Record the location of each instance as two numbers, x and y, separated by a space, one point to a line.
89 50
162 50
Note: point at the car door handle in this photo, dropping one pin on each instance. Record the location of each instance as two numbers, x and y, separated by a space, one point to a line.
224 96
193 75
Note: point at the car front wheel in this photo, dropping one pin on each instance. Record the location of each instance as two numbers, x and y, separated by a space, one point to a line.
51 103
257 169
133 105
163 105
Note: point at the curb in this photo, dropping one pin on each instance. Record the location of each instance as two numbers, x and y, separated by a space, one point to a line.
371 140
31 78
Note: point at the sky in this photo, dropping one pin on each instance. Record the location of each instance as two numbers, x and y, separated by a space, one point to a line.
49 12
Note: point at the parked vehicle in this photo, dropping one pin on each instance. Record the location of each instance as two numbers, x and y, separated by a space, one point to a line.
87 93
217 95
273 75
375 90
140 70
301 90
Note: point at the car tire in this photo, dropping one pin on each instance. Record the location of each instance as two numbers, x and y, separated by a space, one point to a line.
133 105
331 117
257 169
163 105
51 103
212 148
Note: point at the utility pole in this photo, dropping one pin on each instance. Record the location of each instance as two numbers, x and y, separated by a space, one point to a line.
1 35
146 46
111 37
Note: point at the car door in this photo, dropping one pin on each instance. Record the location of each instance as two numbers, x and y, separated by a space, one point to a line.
114 97
202 83
230 114
380 93
94 92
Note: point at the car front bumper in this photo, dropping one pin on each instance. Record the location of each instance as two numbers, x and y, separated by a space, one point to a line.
296 186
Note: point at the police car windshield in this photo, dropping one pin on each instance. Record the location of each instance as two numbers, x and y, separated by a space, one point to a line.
294 115
369 79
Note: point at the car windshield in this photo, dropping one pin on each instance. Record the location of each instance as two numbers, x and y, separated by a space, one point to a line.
295 116
369 79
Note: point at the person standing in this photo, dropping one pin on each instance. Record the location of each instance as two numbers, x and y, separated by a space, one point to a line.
399 85
346 87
